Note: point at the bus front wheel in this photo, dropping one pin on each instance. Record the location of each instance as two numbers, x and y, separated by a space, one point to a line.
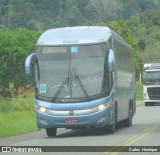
51 132
112 128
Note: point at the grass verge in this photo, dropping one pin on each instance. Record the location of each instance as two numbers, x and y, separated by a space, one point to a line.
17 122
139 91
17 116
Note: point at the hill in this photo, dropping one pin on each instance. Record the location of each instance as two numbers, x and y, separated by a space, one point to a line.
44 14
145 28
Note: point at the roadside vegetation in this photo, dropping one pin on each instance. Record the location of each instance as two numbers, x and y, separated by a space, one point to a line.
17 115
139 91
17 122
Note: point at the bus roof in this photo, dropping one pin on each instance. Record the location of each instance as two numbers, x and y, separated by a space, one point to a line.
76 35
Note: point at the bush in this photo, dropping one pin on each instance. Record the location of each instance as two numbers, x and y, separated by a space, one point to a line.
15 46
5 105
17 104
22 104
25 91
139 91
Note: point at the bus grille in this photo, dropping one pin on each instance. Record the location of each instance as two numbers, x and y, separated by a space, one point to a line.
154 93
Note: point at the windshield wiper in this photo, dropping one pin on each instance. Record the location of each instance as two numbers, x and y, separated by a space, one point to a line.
82 86
66 80
64 83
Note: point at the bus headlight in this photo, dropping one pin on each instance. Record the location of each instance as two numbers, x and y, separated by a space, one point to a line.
105 105
101 107
41 109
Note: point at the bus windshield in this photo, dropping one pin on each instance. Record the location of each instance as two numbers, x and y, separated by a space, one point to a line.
72 73
151 77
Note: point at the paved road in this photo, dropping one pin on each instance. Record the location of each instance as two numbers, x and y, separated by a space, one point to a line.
145 131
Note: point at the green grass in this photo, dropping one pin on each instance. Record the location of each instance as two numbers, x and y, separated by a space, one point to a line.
16 104
17 122
139 91
17 116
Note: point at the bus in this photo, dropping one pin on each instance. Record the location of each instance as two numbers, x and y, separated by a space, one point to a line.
151 83
84 78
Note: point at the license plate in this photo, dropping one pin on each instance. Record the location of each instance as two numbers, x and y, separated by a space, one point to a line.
71 121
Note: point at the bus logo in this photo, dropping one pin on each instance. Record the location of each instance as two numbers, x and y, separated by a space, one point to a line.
71 113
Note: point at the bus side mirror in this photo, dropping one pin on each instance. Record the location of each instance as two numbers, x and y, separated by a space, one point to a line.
28 62
111 61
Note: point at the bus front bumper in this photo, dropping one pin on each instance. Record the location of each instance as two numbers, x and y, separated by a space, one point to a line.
102 117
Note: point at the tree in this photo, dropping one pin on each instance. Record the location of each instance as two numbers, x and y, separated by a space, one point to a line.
42 14
142 44
14 48
123 30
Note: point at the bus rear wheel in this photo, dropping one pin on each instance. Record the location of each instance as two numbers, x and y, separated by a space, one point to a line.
51 132
128 121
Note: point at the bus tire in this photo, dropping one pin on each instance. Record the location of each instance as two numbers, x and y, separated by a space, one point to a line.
51 132
112 128
128 121
147 104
